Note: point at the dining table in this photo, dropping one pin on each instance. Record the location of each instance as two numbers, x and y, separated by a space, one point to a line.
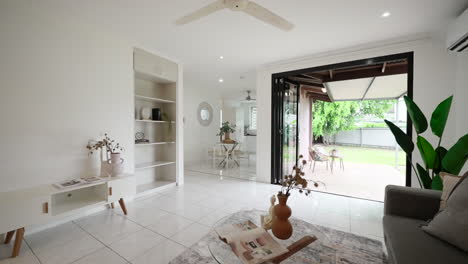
229 149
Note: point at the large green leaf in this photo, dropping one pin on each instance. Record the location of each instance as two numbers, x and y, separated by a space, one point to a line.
440 154
456 157
427 151
416 115
424 176
401 138
440 116
437 183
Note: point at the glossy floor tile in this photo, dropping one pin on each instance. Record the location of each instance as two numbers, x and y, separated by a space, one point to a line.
161 226
102 256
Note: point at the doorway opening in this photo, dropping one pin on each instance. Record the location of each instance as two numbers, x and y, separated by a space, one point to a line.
333 116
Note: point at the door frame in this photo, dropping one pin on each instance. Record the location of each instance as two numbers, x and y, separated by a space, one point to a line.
276 120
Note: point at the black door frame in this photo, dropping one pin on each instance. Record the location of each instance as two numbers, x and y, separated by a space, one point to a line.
276 106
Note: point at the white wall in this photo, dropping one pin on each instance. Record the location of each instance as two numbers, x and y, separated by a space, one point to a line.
229 113
198 138
461 97
62 83
433 81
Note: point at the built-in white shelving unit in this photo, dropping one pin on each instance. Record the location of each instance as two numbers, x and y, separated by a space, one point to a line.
152 99
157 163
154 143
155 121
146 188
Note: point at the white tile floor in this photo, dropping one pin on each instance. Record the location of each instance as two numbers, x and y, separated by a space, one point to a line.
160 227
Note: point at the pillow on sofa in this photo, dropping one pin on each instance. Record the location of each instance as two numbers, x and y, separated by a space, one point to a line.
451 224
449 182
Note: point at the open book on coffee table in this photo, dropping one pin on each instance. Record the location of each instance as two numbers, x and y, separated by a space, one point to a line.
253 244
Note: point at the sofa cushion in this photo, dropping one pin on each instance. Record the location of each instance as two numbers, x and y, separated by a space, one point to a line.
407 243
449 183
451 224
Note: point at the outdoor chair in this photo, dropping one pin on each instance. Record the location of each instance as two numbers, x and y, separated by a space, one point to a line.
317 155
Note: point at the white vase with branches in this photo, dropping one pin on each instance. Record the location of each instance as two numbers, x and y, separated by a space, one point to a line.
112 164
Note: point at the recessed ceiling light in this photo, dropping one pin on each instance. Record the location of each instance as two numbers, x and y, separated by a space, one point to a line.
385 14
221 57
221 80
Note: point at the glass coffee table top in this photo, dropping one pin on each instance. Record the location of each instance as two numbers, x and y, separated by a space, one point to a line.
222 253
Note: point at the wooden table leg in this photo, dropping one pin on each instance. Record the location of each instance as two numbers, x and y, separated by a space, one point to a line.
122 205
293 248
18 241
9 236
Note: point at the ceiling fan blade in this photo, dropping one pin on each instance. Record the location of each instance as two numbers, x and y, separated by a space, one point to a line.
204 11
267 16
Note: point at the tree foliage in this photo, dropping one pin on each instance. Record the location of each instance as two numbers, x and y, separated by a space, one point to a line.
331 118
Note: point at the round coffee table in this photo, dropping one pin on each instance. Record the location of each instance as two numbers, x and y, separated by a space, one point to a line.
222 252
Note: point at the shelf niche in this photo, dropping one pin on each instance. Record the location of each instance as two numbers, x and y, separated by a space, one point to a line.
155 87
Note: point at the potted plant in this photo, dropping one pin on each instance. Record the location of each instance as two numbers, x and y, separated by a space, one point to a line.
226 129
112 162
435 159
281 227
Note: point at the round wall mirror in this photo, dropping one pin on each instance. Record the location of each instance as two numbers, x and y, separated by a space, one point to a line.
205 114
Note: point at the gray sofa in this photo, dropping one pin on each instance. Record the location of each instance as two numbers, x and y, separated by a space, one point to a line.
405 210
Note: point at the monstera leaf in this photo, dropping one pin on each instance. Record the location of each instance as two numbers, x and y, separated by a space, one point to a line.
440 154
401 138
424 176
427 152
416 115
440 116
456 156
437 183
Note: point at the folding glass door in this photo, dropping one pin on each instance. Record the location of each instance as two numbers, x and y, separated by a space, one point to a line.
285 103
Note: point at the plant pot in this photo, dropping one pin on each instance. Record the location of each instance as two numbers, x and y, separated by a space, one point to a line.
227 138
281 227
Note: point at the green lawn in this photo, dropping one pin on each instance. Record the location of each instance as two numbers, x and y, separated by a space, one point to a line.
370 155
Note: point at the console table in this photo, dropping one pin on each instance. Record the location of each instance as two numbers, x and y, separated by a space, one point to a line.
46 203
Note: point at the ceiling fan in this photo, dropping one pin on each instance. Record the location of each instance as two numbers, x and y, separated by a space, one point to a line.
249 99
246 6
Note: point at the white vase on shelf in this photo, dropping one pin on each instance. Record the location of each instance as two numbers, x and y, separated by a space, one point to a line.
145 113
116 163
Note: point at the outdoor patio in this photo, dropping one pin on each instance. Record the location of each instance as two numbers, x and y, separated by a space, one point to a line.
360 180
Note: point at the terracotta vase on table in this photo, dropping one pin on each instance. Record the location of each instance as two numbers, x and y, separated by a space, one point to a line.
227 138
281 226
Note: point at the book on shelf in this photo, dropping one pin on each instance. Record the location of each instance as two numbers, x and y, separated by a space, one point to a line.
77 182
250 243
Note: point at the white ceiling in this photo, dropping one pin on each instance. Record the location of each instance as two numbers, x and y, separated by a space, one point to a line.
246 42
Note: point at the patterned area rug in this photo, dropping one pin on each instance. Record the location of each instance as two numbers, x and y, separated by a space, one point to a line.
332 246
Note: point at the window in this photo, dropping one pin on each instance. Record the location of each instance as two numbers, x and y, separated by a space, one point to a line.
220 117
253 118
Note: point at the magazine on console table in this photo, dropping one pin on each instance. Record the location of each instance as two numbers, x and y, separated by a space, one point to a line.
77 182
252 244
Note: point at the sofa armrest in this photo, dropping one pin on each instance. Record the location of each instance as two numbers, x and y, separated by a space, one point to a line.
411 202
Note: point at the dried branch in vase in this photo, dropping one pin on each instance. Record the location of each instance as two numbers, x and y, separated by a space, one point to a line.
296 180
107 143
